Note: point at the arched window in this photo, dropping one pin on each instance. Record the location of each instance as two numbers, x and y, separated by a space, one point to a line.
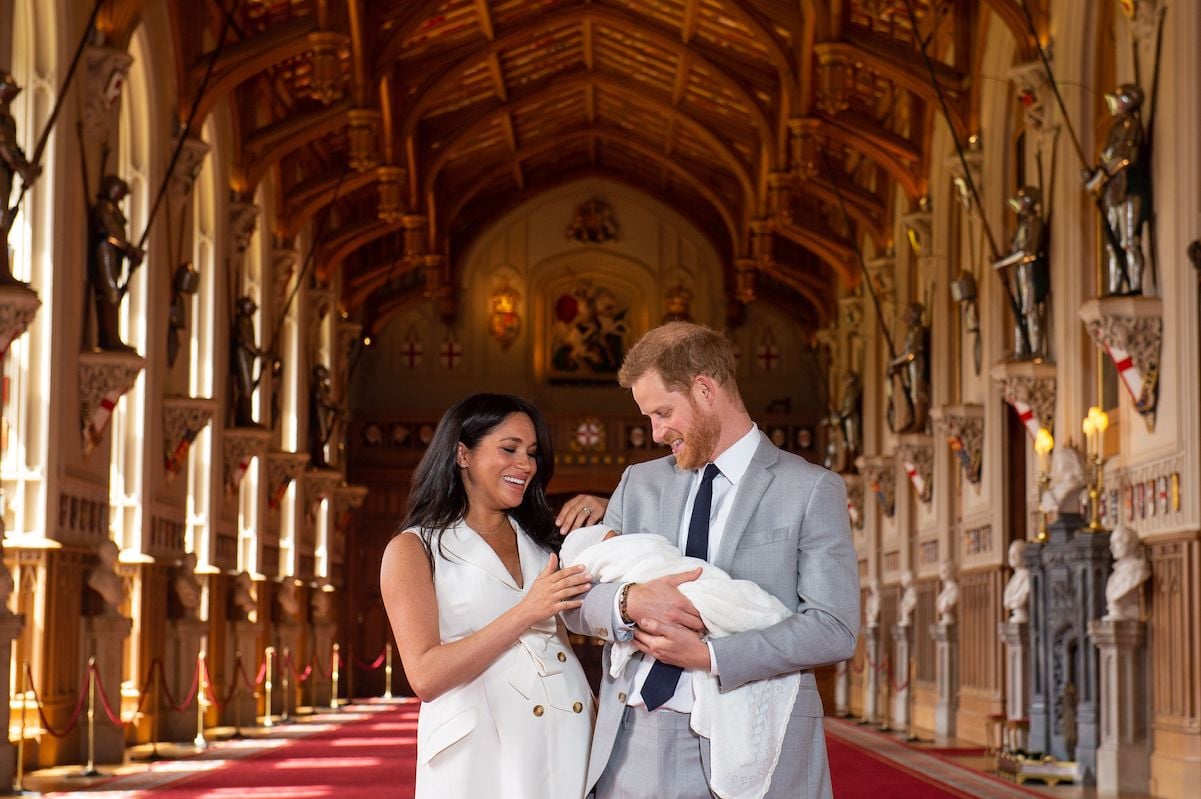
129 417
23 437
198 530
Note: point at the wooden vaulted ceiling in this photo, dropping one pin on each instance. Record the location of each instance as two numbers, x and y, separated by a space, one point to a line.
406 126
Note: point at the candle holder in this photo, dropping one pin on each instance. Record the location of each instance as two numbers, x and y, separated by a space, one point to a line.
1044 443
1094 427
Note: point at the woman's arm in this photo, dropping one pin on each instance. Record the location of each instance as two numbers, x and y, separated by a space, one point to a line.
432 667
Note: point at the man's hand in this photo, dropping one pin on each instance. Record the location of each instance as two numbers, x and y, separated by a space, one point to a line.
673 644
660 601
580 511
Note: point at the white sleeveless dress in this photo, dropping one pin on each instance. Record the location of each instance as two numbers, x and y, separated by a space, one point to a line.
523 728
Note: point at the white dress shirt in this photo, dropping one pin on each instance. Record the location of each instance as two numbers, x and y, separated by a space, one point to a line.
732 464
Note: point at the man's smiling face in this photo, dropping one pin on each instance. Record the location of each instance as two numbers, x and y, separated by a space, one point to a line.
678 420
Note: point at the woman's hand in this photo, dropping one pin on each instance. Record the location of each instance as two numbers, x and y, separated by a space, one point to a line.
580 510
555 590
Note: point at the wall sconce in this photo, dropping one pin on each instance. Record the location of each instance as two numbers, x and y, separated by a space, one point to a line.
1044 443
1094 427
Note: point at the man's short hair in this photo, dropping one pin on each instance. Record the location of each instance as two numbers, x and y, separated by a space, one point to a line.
681 352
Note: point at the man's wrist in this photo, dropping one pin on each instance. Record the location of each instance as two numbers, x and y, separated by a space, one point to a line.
623 612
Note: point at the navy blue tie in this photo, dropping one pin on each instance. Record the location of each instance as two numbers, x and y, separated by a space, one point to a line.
661 680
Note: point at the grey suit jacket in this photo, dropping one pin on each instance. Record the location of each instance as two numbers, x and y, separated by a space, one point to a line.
789 531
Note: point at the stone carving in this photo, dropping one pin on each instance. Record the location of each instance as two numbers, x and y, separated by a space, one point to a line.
908 601
187 167
854 485
871 605
103 378
319 484
594 223
104 580
1017 589
183 419
1130 329
963 427
243 219
880 475
1130 571
18 306
242 600
284 261
289 602
391 195
948 597
282 469
916 453
1030 388
186 586
326 63
363 138
1037 97
1068 478
106 69
239 447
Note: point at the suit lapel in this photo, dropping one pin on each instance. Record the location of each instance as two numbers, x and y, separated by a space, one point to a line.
750 490
672 500
466 545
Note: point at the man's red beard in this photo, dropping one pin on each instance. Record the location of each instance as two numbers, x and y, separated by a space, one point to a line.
700 442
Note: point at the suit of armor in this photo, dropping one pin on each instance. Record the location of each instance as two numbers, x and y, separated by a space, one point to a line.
1028 276
106 267
12 163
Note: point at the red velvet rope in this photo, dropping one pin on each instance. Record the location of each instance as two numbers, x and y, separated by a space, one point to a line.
37 700
115 718
321 671
897 688
291 664
208 686
176 706
379 661
155 666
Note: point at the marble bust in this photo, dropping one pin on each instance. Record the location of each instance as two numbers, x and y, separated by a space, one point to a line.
104 580
908 600
948 597
1068 479
187 587
871 605
1130 571
243 597
1017 590
289 602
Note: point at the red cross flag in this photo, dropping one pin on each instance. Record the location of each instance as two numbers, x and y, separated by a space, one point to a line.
769 356
412 353
451 353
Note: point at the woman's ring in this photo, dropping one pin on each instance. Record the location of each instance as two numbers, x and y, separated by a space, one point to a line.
587 510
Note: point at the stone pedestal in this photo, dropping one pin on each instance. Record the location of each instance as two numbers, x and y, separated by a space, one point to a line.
842 690
1016 638
287 637
900 678
323 643
11 625
242 708
104 639
871 675
184 639
1067 591
946 655
1124 753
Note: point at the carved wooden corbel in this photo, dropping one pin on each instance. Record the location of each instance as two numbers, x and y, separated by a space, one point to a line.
1030 388
18 307
319 484
183 419
963 427
854 485
347 498
282 469
187 167
104 376
239 446
106 69
1130 330
879 473
915 452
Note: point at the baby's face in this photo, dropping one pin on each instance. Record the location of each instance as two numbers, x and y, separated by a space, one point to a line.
610 534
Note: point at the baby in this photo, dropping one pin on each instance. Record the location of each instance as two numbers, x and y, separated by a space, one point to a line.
745 725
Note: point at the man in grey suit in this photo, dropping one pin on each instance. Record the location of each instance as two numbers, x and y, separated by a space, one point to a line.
728 495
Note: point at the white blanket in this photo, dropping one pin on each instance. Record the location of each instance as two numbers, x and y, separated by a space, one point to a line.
745 726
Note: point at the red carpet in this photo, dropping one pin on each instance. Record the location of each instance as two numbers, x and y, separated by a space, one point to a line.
858 774
364 759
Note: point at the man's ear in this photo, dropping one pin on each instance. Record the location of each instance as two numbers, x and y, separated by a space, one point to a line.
706 389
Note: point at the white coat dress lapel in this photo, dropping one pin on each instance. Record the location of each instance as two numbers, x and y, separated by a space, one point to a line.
470 548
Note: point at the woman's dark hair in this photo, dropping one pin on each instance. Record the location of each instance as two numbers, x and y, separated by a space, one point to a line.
438 499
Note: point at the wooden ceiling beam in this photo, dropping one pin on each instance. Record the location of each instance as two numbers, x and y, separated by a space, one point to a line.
352 237
688 26
680 84
498 78
836 253
485 16
589 45
308 197
267 146
880 150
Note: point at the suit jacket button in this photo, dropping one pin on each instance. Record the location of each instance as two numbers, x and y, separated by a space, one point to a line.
621 697
562 656
538 710
578 707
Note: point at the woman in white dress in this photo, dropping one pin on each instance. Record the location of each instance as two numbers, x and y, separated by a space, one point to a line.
473 591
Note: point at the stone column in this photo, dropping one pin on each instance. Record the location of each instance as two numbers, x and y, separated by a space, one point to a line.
1015 635
244 641
946 658
104 639
842 690
900 676
871 674
1124 753
11 625
185 637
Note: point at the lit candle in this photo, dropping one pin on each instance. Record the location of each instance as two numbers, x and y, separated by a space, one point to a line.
1089 426
1044 442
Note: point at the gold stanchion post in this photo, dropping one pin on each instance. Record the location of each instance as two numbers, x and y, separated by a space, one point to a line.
90 769
388 670
333 691
201 701
286 677
18 784
269 654
154 756
237 734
